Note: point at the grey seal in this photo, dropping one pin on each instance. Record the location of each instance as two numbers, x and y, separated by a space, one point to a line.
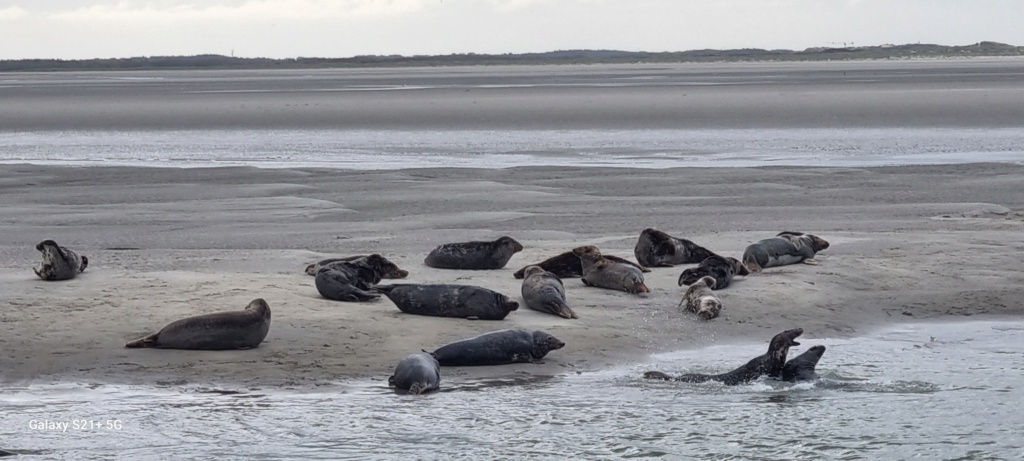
785 248
601 272
474 255
721 268
243 329
802 367
498 348
417 373
352 280
444 300
393 272
59 263
568 265
771 364
655 248
700 300
544 292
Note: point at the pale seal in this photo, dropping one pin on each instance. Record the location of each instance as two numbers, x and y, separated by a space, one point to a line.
417 373
243 329
568 265
771 364
498 348
440 300
474 255
785 248
802 367
393 273
700 300
601 272
352 280
655 248
59 263
721 268
544 292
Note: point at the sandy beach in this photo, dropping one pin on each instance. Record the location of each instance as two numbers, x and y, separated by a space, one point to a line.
908 243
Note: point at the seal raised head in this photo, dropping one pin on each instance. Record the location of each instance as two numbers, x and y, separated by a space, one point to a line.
544 292
352 280
393 271
59 263
474 255
771 364
498 348
721 268
785 248
700 300
441 300
568 265
417 373
243 329
802 367
655 248
602 272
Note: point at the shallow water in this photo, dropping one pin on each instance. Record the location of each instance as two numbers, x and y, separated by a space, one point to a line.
929 391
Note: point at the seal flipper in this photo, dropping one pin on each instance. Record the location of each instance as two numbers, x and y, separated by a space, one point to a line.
152 340
85 262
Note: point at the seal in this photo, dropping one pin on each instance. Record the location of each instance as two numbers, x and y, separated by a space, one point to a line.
59 263
700 300
785 248
544 292
498 348
474 255
655 248
395 273
771 364
352 280
721 268
243 329
459 301
417 373
568 265
801 367
602 272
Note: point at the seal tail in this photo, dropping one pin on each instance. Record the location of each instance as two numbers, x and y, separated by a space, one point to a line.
309 269
562 310
417 388
85 263
148 341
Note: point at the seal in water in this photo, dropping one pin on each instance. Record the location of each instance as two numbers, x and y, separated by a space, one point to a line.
700 300
395 273
59 263
352 280
568 265
243 329
498 348
460 301
785 248
655 248
544 292
771 364
417 373
602 272
474 255
721 268
801 367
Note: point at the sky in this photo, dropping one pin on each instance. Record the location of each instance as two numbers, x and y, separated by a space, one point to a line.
84 29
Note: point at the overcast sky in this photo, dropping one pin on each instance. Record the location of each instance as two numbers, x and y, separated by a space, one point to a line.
74 29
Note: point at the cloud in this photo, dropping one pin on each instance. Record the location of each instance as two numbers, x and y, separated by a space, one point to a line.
12 13
126 10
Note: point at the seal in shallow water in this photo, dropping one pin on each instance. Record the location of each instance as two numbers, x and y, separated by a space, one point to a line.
655 248
601 272
802 367
498 348
785 248
441 300
474 255
700 300
352 280
544 292
771 364
243 329
59 263
417 373
393 272
721 268
568 265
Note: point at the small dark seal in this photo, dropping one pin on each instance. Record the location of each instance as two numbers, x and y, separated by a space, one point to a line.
721 268
700 300
802 367
243 329
785 248
771 364
417 373
544 292
498 348
568 265
602 272
459 301
655 248
474 255
352 280
395 273
59 263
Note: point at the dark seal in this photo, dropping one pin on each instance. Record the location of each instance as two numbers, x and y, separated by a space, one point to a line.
785 248
459 301
417 373
802 367
474 255
395 273
352 280
602 272
498 348
655 248
243 329
568 265
721 268
59 263
544 292
771 364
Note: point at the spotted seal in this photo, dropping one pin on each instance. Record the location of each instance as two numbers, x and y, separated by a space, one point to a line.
544 292
700 300
243 329
721 268
785 248
59 263
441 300
352 280
395 273
568 265
771 364
417 373
655 248
802 367
602 272
498 348
474 255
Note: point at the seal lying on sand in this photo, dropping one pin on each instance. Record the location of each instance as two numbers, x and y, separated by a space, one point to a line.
417 373
801 367
785 248
568 265
474 255
395 273
700 300
771 364
544 292
602 272
243 329
498 348
352 280
59 263
460 301
721 268
658 249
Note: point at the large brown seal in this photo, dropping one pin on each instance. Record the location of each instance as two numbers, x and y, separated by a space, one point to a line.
700 300
544 292
655 248
498 348
568 265
243 329
417 373
352 280
59 263
771 364
393 273
602 272
721 268
459 301
785 248
474 255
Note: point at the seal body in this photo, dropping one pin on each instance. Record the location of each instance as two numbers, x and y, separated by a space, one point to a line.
655 248
568 265
771 364
802 367
498 348
417 373
700 300
721 268
474 255
544 292
393 271
352 280
602 272
442 300
243 329
59 263
785 248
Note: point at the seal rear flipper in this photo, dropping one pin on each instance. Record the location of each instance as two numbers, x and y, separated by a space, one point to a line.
85 263
385 289
811 261
148 341
391 380
562 310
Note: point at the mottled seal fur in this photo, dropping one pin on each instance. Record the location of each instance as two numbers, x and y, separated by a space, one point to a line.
59 263
568 265
802 367
602 272
721 268
459 301
785 248
771 364
498 348
352 280
544 292
655 248
417 373
474 255
394 273
700 300
243 329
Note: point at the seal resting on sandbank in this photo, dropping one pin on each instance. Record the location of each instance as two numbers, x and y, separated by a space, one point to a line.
352 280
568 265
721 268
59 263
417 373
602 272
544 292
474 255
243 329
447 300
498 348
655 248
700 300
771 364
785 248
395 273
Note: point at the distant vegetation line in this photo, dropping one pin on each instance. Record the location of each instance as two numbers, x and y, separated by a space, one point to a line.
214 61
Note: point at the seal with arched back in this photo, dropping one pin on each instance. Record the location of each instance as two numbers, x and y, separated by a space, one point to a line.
568 265
417 373
59 263
655 248
474 255
601 272
785 248
498 348
544 292
352 280
243 329
721 268
771 364
449 300
393 271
